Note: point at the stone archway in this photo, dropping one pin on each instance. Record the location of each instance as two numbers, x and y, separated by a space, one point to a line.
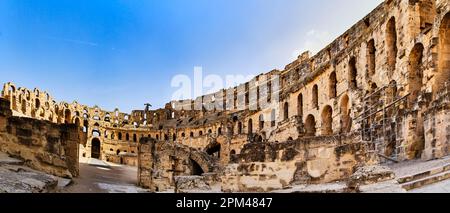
444 56
95 148
310 125
327 120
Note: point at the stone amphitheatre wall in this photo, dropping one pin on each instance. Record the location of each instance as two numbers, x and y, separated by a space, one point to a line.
45 146
264 167
386 79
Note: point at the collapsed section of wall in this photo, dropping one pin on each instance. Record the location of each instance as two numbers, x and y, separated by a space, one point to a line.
160 162
263 167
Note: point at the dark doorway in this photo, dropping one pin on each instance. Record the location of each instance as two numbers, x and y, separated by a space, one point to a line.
95 148
214 150
196 169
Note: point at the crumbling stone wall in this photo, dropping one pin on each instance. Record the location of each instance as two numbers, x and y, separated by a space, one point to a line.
382 78
271 166
42 145
160 162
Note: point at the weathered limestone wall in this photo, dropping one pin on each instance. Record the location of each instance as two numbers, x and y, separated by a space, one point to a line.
42 145
437 129
271 166
160 162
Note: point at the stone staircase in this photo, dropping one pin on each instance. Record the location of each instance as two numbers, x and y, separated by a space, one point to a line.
16 177
420 179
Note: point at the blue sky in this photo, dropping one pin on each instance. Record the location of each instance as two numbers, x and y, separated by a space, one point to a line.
124 53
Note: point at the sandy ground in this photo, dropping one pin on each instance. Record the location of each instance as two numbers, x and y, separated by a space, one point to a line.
100 177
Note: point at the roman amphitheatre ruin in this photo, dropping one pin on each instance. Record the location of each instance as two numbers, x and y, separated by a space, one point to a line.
369 108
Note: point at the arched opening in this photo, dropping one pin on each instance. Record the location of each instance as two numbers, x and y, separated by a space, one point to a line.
24 106
273 118
196 168
300 105
415 71
310 125
443 76
250 127
95 148
286 111
95 133
120 136
239 128
14 103
37 104
332 85
315 96
219 131
77 122
134 138
174 137
127 137
352 73
214 150
371 63
157 136
346 122
327 120
166 137
261 122
232 155
391 44
85 126
108 117
67 116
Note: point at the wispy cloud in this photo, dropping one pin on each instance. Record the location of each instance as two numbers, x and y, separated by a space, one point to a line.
314 41
74 41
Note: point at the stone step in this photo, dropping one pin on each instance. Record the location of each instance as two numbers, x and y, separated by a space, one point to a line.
6 159
421 175
426 180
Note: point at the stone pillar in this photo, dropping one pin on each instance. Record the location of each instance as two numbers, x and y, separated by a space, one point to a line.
145 163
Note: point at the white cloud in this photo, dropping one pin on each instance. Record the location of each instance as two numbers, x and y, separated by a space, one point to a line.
313 41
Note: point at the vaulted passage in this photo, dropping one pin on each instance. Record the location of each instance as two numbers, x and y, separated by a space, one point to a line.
286 111
214 150
443 76
415 71
315 96
300 105
95 148
332 85
250 126
196 168
327 120
371 52
346 122
352 73
67 116
261 122
310 125
391 44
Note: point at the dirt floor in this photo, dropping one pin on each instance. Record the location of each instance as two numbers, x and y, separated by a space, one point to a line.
99 177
